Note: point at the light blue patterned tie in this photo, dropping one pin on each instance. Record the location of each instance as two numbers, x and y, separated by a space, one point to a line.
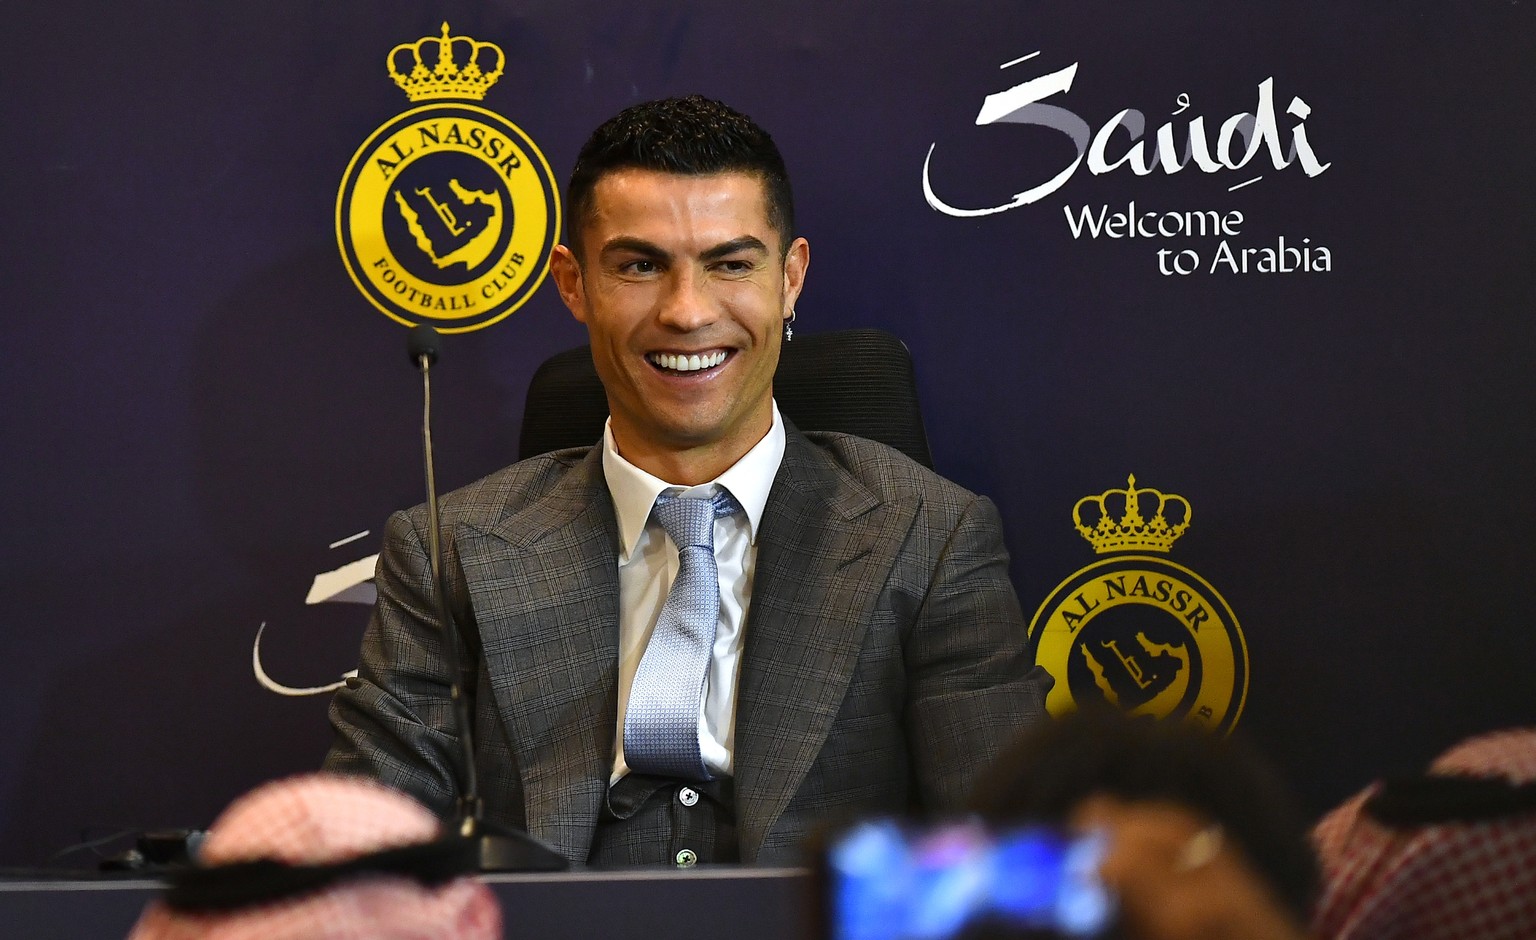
661 724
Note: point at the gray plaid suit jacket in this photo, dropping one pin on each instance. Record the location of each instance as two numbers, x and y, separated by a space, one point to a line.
884 665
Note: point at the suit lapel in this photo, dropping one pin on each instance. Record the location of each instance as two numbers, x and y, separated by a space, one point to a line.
825 546
544 587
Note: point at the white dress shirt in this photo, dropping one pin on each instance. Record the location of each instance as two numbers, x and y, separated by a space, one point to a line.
648 564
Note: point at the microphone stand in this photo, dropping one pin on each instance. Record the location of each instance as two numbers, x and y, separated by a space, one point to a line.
501 848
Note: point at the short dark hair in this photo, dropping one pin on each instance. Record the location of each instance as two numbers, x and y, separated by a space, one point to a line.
1053 766
692 136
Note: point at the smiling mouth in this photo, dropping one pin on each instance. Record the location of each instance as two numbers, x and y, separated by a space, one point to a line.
671 362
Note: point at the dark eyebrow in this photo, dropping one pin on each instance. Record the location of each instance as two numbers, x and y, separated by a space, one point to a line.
744 243
637 246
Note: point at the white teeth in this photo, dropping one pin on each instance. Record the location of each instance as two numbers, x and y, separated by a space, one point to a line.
687 363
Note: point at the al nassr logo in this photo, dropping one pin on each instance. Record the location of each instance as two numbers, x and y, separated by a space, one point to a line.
1136 630
447 213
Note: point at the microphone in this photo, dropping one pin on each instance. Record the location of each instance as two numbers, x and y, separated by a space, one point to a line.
422 346
501 848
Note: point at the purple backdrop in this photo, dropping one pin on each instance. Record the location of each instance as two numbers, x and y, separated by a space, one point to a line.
207 402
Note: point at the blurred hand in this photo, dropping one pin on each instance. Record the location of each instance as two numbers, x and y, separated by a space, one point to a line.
1178 879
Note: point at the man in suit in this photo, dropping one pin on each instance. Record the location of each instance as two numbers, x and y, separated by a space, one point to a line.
859 647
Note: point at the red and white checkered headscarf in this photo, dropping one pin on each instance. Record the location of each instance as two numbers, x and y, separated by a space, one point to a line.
1443 881
321 819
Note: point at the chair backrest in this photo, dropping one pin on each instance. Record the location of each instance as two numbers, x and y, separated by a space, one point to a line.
854 381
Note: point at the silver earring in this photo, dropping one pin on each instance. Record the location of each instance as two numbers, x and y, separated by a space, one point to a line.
789 331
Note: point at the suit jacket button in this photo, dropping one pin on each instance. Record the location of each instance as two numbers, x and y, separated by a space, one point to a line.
687 858
688 796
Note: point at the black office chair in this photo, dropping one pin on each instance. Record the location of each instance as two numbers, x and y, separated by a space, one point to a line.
855 381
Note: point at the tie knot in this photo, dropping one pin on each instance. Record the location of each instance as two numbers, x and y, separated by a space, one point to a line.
690 520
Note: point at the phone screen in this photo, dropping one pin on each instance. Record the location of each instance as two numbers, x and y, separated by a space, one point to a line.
886 880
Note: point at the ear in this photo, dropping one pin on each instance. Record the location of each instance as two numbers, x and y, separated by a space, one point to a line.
567 273
796 262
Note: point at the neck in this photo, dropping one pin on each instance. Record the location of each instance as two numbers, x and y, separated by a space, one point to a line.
689 466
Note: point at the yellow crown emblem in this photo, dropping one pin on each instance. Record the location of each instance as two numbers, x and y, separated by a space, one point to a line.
1133 531
447 79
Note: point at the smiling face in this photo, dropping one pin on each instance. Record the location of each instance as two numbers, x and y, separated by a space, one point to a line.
683 287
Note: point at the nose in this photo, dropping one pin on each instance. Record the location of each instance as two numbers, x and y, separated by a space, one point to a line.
687 305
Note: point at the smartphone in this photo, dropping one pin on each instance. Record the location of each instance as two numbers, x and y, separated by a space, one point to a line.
885 879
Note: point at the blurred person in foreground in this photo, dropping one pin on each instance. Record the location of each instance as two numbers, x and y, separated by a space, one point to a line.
1447 855
307 823
1203 840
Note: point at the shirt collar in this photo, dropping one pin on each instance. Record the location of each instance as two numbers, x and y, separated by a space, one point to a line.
634 491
